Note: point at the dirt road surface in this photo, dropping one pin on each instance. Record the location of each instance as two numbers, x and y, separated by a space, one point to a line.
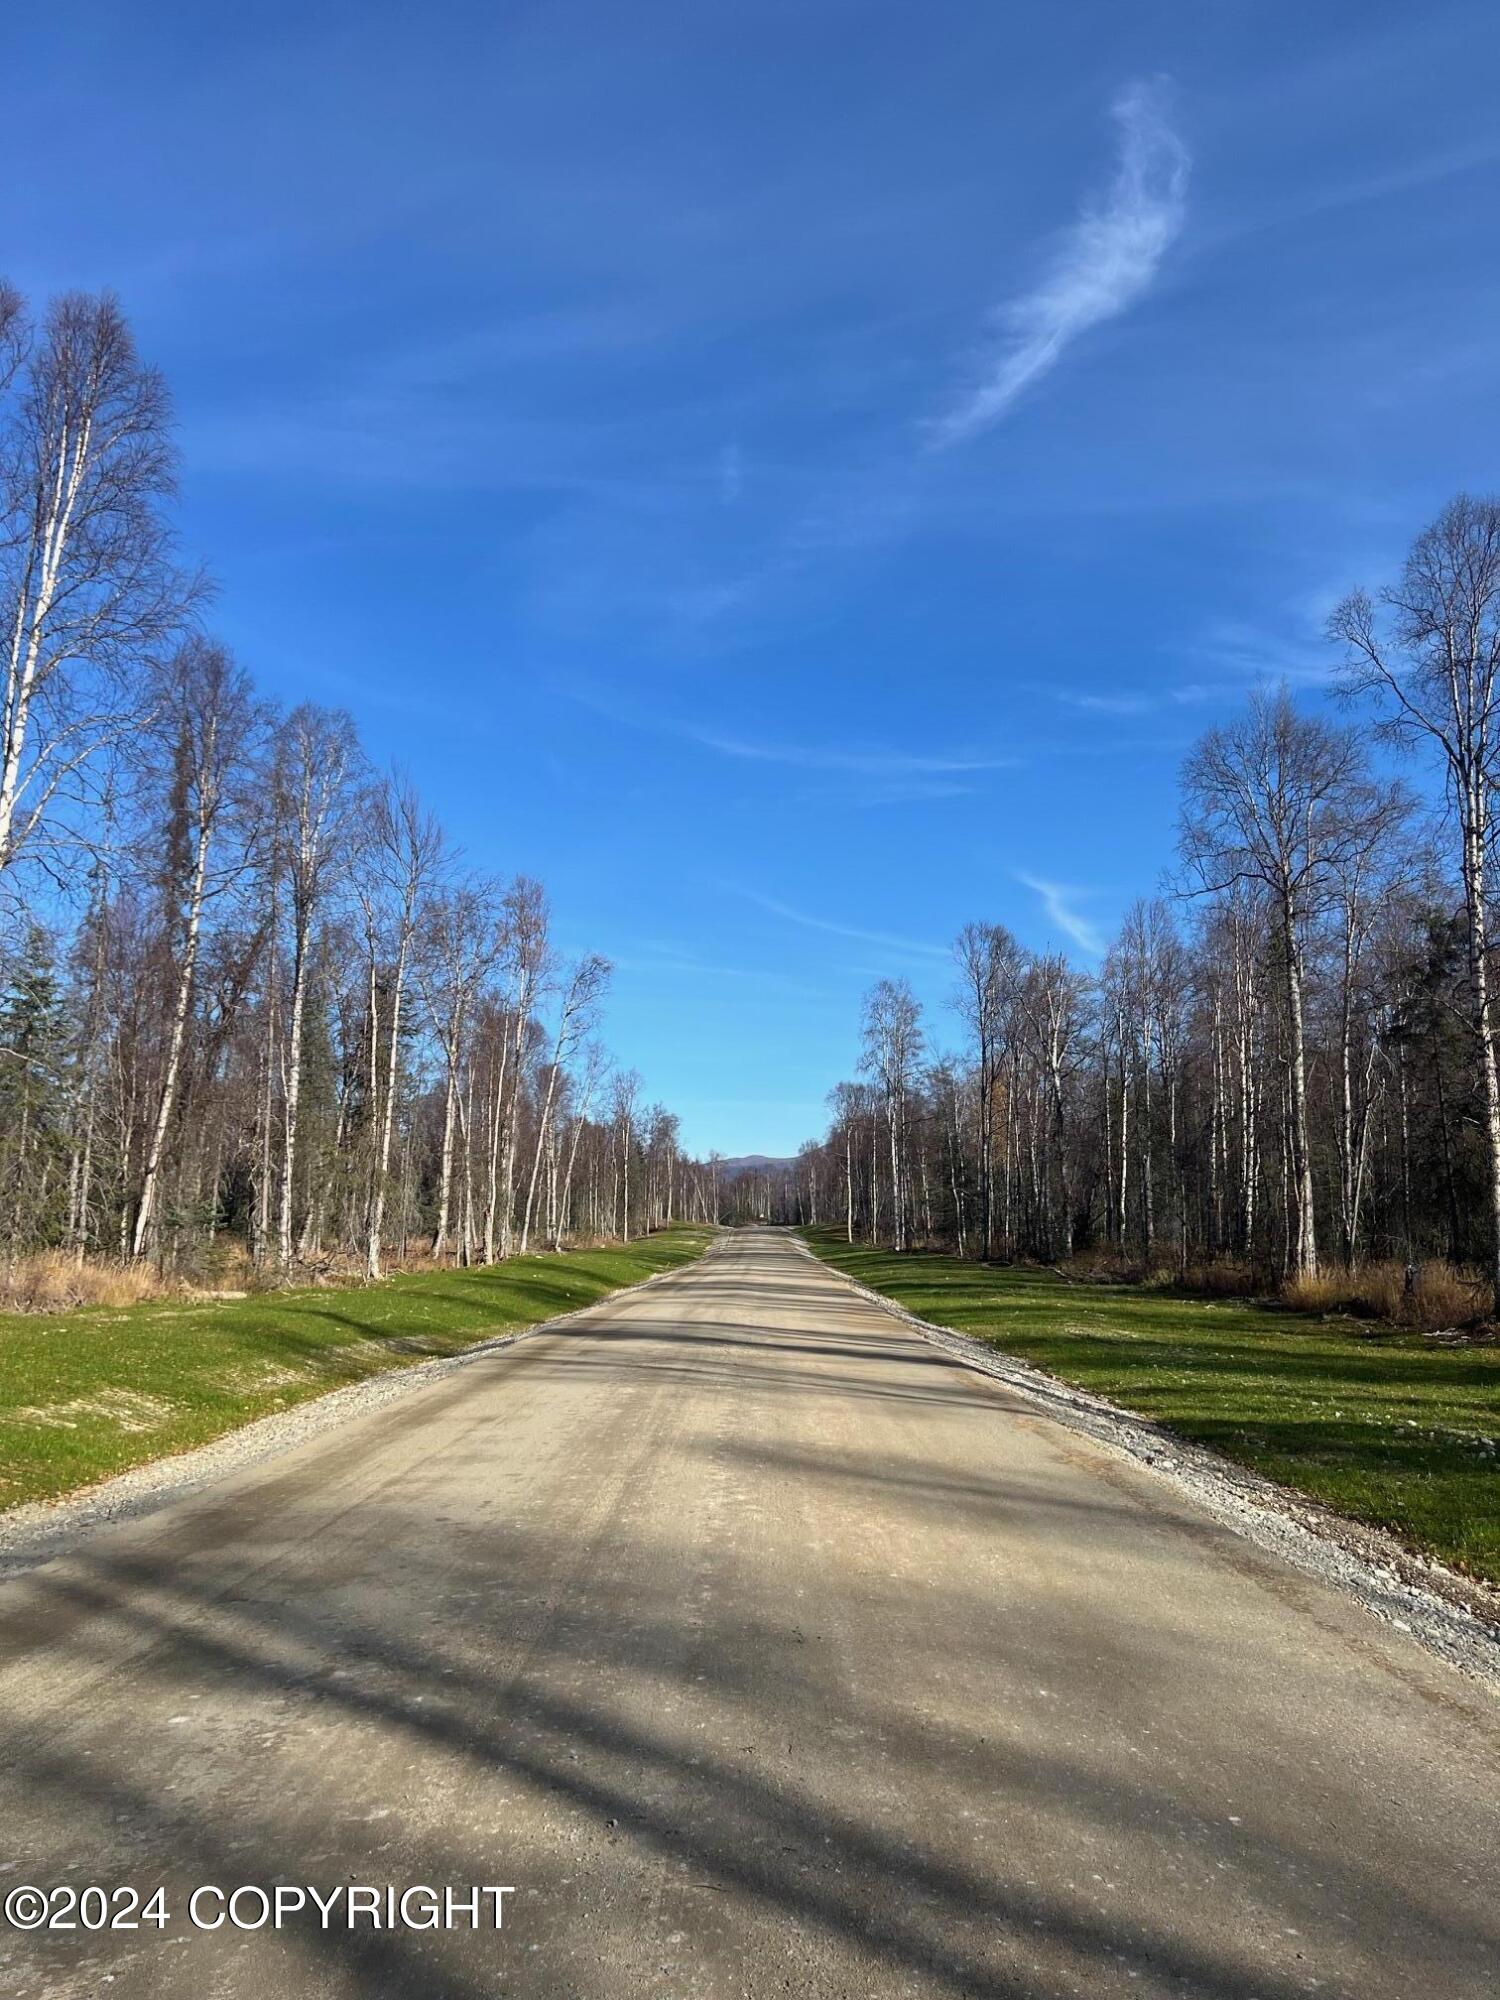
764 1650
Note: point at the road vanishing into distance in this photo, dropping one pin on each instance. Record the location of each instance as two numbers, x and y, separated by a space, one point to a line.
763 1650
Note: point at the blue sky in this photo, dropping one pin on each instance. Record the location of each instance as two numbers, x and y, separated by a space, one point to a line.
795 475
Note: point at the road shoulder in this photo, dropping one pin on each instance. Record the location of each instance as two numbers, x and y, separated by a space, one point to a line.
1449 1614
39 1531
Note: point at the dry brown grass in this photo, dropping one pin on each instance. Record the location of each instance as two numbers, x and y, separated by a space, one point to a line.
50 1281
1224 1278
1440 1295
1221 1276
1446 1297
1375 1290
1101 1266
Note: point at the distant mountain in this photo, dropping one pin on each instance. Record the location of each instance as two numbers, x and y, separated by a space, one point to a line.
749 1163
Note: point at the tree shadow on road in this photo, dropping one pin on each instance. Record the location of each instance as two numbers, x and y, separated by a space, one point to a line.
629 1721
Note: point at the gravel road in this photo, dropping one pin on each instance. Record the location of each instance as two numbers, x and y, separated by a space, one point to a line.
765 1648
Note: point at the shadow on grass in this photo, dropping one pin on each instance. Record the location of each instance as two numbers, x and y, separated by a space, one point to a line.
1377 1424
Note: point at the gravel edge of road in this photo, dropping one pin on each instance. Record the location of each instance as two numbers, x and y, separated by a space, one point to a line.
1445 1612
41 1530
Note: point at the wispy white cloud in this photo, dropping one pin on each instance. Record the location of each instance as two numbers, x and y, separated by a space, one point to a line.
902 792
731 474
1104 704
1301 200
672 963
1139 701
1058 900
913 946
857 760
1107 261
1228 657
868 763
1258 658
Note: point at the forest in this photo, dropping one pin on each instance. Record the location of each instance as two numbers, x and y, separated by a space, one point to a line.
1282 1072
258 1016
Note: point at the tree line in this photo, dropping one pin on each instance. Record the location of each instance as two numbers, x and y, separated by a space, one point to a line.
249 991
1285 1061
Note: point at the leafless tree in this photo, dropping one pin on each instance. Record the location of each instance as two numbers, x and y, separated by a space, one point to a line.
528 955
461 943
625 1097
581 995
207 706
1429 650
87 587
892 1040
1150 1106
590 1083
990 965
1280 799
1051 1001
315 771
403 856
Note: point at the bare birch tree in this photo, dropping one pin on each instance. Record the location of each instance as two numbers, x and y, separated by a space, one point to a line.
990 962
1430 652
528 959
207 704
462 942
405 852
87 589
590 1084
625 1097
1051 1004
1278 799
577 1013
315 767
892 1039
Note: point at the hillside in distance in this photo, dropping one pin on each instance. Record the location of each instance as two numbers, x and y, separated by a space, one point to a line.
751 1163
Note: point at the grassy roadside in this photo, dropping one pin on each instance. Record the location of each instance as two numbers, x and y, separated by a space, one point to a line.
86 1394
1377 1423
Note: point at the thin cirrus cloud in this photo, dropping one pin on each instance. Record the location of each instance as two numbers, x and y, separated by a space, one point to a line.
731 474
913 947
831 757
916 769
1145 701
1108 260
1058 900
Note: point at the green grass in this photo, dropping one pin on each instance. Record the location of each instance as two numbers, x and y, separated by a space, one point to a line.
1375 1422
87 1394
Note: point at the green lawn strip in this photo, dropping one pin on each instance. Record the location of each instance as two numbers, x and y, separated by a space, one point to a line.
87 1394
1379 1424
